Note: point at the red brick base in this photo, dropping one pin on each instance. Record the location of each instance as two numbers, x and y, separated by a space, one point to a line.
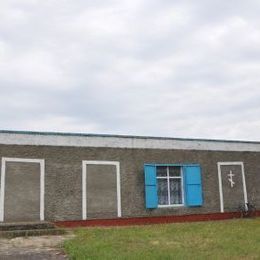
149 220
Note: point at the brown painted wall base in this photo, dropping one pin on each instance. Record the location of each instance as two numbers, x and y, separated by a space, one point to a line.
149 220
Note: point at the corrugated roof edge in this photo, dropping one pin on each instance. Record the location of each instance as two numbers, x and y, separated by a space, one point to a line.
123 136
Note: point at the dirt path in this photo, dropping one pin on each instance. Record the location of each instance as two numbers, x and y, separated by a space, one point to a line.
42 247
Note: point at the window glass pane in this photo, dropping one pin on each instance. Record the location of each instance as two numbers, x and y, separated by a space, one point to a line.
175 191
162 191
161 171
175 171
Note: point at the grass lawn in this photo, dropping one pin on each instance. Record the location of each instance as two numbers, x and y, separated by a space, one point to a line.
230 239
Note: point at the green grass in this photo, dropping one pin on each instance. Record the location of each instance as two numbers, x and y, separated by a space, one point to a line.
232 239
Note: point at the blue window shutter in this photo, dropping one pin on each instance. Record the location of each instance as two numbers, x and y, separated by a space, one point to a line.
193 187
151 198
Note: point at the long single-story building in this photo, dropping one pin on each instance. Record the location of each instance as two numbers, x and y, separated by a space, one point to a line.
83 177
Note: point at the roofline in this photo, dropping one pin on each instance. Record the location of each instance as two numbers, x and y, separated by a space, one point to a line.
124 136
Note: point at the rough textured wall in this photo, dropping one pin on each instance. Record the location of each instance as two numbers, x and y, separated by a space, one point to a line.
63 175
101 191
22 192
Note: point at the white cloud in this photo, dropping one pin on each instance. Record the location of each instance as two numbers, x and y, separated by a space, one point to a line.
183 68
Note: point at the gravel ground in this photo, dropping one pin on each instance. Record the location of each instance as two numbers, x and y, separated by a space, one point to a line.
41 247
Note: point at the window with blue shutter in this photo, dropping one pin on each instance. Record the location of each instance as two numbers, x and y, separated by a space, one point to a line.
193 188
169 185
151 198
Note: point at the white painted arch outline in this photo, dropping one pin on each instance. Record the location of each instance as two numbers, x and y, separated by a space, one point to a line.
220 181
84 186
2 187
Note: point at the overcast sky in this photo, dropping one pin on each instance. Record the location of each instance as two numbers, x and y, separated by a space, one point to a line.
140 67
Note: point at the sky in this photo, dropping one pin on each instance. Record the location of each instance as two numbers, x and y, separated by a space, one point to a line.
168 68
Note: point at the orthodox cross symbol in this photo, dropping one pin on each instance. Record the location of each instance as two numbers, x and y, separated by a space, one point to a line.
230 179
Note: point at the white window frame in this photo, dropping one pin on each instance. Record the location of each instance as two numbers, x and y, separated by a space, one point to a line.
84 184
219 164
2 187
168 177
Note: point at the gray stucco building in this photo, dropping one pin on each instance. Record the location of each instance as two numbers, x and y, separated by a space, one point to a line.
57 177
